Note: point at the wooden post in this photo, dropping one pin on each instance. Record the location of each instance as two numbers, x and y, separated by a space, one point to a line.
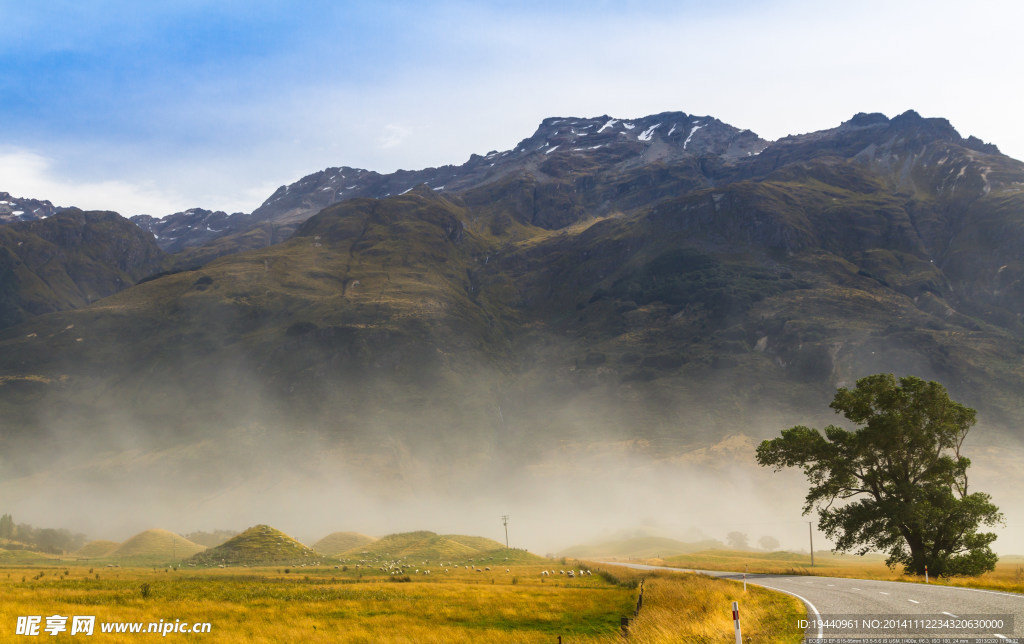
810 533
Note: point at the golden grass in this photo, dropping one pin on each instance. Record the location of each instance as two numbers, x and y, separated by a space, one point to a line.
698 609
328 604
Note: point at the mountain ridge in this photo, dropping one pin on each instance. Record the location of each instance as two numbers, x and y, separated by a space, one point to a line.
570 300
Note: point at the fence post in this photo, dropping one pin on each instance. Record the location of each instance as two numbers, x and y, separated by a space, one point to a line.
736 622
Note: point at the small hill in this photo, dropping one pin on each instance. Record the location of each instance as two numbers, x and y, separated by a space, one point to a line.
430 546
210 539
259 545
157 543
646 547
339 542
97 549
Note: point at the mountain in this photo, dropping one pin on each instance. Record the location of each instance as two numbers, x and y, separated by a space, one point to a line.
14 209
192 227
650 285
68 260
599 150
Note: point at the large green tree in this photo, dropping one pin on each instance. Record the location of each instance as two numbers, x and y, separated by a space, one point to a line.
898 483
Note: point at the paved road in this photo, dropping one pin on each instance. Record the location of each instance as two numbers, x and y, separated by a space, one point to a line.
829 598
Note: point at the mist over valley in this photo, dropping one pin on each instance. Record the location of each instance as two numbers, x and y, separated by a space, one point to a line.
590 332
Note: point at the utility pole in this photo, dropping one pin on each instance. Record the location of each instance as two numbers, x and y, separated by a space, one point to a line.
810 533
504 522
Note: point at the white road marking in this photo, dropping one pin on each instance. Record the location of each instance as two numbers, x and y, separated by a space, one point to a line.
856 589
990 592
950 614
882 592
912 601
1002 637
817 615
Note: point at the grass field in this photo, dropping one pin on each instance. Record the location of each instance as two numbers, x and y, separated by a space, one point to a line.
332 604
1008 575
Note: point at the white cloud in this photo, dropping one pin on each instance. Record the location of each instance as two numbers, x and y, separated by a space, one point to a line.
28 174
393 135
215 184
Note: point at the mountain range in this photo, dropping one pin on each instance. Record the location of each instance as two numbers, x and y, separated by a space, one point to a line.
666 280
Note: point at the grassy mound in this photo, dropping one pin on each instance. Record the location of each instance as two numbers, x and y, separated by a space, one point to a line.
339 542
157 543
97 549
259 545
429 546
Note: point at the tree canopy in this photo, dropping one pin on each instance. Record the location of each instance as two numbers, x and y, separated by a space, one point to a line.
898 483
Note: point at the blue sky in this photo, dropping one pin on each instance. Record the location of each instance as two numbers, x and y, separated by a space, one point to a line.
156 107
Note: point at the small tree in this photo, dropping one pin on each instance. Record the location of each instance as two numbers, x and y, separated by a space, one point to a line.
737 540
768 543
904 469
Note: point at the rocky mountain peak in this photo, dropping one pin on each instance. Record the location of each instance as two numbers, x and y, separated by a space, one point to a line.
21 209
659 136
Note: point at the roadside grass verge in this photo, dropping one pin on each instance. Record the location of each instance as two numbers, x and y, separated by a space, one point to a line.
697 609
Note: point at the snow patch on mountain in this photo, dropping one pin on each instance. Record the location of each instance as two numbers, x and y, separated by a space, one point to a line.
647 134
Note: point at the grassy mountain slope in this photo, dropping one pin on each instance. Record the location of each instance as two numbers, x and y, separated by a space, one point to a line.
69 260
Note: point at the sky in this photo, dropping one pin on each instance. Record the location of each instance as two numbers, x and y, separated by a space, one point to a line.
153 108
